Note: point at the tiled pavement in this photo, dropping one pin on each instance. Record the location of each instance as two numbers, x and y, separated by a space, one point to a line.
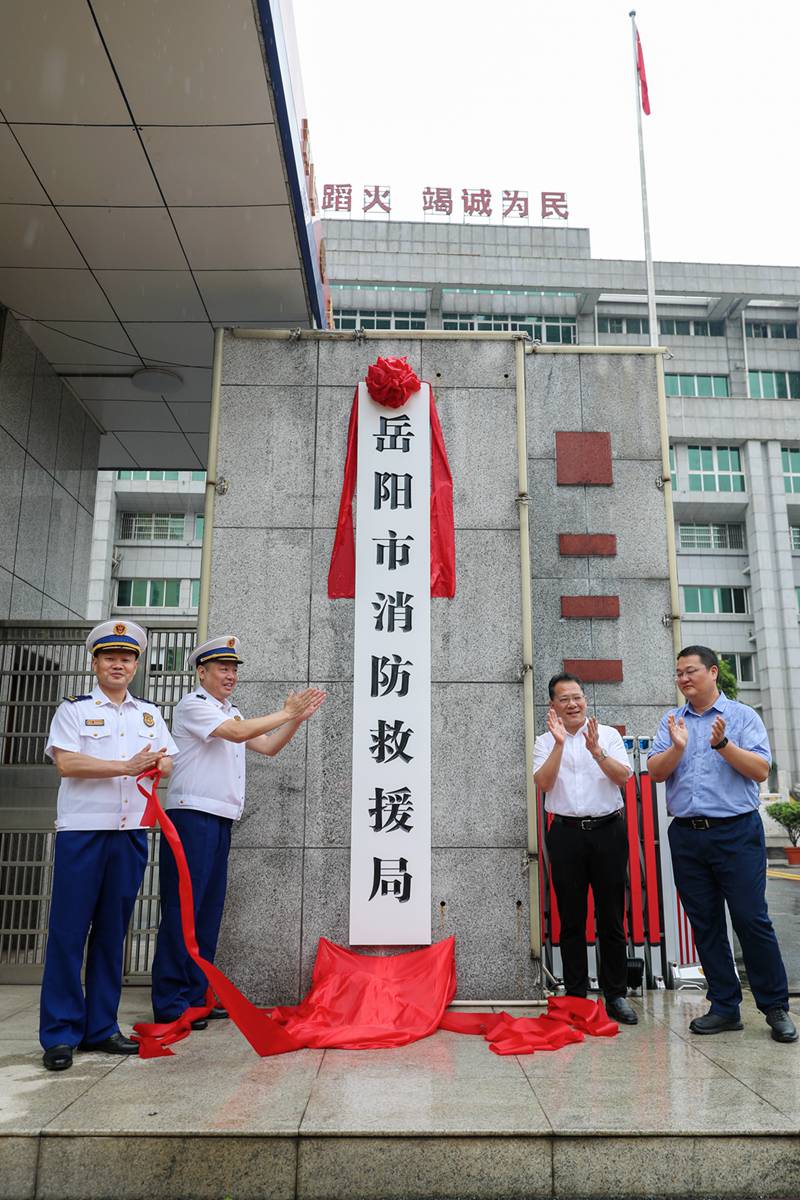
652 1112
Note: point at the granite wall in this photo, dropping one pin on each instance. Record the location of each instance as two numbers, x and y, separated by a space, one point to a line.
285 409
48 474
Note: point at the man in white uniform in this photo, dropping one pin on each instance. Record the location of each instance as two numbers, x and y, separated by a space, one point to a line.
206 795
581 767
100 742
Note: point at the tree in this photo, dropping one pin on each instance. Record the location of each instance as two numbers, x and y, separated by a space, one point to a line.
727 679
787 814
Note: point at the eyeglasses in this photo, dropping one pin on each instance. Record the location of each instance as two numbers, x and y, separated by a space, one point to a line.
689 672
567 699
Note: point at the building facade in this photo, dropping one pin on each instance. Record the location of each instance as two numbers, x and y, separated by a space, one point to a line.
732 381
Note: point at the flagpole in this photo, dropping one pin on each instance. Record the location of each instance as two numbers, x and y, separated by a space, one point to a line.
648 253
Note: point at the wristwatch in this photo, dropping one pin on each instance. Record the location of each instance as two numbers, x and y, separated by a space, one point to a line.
719 745
602 757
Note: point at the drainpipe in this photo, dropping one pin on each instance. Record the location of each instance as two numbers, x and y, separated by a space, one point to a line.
211 489
523 504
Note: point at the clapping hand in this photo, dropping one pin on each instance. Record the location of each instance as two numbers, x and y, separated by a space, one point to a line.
556 726
591 736
678 731
717 731
301 705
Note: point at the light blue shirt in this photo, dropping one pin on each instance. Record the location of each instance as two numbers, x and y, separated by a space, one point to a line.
703 784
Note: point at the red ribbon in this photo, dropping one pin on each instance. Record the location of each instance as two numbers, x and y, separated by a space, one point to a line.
342 572
358 1001
263 1033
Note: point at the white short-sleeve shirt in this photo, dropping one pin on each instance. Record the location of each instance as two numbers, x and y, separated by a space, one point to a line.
581 789
209 771
94 725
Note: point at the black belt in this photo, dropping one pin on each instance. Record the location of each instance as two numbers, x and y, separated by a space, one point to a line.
587 822
707 822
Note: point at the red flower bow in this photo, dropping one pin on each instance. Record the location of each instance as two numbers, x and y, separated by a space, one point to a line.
390 381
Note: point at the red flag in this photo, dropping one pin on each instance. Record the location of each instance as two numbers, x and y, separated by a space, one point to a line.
642 76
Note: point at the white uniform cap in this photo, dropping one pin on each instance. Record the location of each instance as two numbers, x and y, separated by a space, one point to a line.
117 635
221 649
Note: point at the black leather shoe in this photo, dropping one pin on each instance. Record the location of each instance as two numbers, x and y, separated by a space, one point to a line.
782 1025
218 1013
116 1044
200 1024
57 1058
714 1023
620 1010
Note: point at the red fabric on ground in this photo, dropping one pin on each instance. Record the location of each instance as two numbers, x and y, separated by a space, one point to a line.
359 1001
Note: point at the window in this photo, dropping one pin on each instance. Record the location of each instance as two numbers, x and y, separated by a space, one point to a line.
148 593
198 476
715 469
774 385
199 525
623 325
683 327
791 469
696 385
151 527
742 665
711 537
780 330
673 470
715 600
155 476
195 593
794 533
364 318
559 330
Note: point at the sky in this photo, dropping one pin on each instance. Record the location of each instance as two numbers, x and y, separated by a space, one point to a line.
523 94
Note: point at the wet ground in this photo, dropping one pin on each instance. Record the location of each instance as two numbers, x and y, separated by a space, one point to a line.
783 897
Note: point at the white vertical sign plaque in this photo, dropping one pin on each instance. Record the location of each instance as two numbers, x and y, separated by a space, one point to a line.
390 857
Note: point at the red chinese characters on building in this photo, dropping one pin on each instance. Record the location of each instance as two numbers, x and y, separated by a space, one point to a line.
477 202
554 204
437 200
337 197
515 204
377 197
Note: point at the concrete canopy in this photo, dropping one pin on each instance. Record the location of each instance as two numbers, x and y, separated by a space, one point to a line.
151 187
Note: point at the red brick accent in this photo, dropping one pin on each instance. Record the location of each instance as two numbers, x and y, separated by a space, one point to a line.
595 670
578 545
602 607
620 729
583 459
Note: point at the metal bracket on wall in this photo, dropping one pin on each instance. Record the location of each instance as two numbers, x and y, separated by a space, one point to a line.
667 619
220 486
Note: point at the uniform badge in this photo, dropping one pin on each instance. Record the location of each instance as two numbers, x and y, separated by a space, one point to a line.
149 720
237 718
100 721
231 643
119 629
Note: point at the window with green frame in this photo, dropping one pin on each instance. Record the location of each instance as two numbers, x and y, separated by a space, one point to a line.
198 476
673 470
199 525
790 458
148 593
696 385
195 593
728 600
715 469
774 385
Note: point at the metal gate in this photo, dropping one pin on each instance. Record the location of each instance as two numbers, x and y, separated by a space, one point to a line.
40 662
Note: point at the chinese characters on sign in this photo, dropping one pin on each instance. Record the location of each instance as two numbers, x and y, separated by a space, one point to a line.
510 203
390 885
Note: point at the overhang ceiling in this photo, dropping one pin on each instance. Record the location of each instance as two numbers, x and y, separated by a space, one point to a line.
144 199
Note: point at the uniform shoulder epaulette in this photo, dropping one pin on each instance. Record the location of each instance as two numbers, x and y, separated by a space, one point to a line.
142 700
200 696
72 699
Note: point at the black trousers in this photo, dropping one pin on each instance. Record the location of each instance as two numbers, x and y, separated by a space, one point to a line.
580 858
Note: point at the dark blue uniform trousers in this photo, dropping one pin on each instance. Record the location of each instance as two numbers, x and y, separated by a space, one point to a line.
96 876
178 983
729 863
